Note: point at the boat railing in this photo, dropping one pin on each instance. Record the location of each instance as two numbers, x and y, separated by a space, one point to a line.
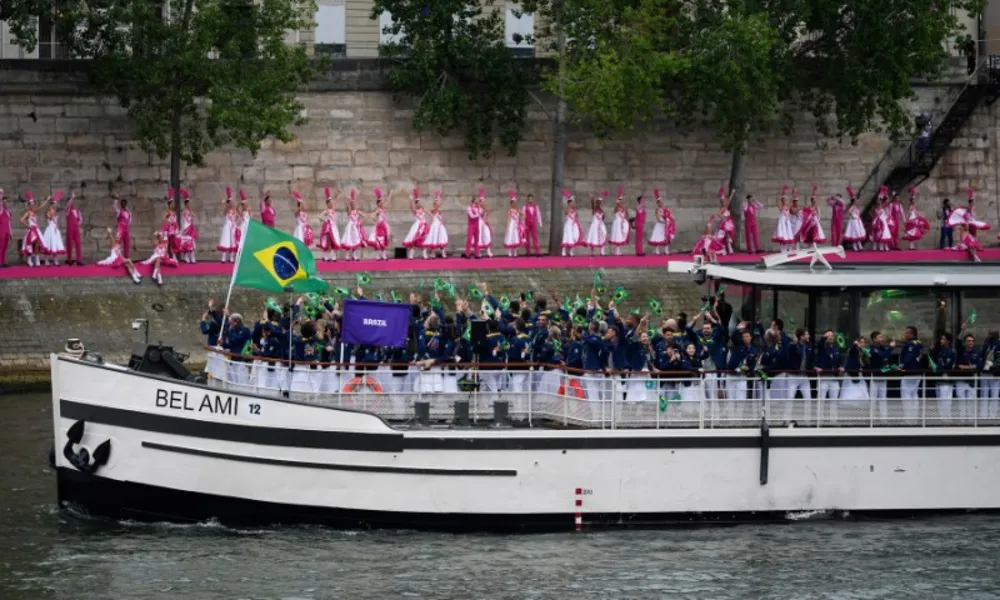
540 396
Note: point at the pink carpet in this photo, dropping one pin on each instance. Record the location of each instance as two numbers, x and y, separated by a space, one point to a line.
497 263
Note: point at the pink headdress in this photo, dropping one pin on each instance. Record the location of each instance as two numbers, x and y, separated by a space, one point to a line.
784 191
352 194
970 193
566 194
850 192
512 194
243 196
327 193
416 193
482 193
913 191
883 191
656 193
229 193
621 192
57 196
605 194
378 193
297 196
437 194
815 189
29 196
185 194
170 193
722 193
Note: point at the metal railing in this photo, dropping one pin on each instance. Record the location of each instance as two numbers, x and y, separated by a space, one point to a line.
539 397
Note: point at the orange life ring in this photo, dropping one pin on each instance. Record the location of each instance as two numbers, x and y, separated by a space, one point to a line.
573 383
369 382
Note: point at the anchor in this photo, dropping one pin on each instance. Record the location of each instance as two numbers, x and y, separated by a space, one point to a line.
81 459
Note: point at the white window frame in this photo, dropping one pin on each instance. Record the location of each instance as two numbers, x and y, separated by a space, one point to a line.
524 25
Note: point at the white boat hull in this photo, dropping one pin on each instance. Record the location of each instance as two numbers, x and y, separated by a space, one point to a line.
182 451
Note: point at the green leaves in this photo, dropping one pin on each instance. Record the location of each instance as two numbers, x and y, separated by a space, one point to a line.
450 57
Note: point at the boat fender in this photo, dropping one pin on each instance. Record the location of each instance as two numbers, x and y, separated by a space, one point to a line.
81 459
765 449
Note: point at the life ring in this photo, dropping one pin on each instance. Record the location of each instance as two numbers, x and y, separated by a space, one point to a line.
369 382
574 384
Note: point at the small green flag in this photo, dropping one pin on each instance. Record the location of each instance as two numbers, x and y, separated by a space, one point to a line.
894 315
579 320
440 285
597 278
841 340
601 290
504 301
247 349
271 260
598 314
620 294
467 334
930 361
272 304
529 296
342 292
972 317
363 279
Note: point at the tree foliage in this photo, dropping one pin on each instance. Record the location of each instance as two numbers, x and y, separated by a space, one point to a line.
450 56
193 76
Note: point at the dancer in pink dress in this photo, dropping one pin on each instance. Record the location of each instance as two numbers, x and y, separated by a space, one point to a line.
437 236
378 238
74 225
639 225
6 228
416 237
708 244
966 216
117 257
796 213
881 229
160 256
189 233
485 229
572 233
917 224
123 224
268 215
855 233
32 245
969 243
229 237
52 238
169 225
811 231
836 203
897 219
532 225
664 229
472 214
329 233
784 230
514 236
303 230
751 233
726 233
597 233
620 230
354 232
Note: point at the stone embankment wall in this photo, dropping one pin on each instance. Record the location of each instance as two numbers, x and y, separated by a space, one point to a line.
38 315
53 134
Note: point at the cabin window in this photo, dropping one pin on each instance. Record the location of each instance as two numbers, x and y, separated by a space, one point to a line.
891 311
765 303
833 311
980 313
793 310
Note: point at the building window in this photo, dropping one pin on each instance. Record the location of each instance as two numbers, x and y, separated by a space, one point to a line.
520 32
49 46
385 37
331 30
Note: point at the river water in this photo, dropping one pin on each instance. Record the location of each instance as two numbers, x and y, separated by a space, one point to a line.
45 553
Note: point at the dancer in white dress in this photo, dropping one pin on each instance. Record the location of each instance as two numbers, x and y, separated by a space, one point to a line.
52 239
416 237
229 238
160 256
32 245
966 216
572 233
618 236
117 257
855 233
664 229
437 237
303 230
784 230
597 233
329 233
485 229
189 233
379 238
354 233
514 236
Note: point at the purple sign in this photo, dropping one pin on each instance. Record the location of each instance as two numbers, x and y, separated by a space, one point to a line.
371 323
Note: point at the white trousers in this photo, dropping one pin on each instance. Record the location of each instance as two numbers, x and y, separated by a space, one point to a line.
909 392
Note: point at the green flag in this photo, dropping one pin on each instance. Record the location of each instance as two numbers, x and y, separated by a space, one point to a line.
363 279
271 260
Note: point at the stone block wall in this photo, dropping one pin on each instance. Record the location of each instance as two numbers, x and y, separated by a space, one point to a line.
54 135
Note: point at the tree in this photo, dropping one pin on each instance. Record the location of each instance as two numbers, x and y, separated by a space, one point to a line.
751 65
450 56
192 74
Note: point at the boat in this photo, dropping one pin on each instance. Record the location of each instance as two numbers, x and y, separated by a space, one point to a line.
248 443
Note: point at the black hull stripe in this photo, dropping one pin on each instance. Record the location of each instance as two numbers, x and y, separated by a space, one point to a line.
396 442
121 500
330 466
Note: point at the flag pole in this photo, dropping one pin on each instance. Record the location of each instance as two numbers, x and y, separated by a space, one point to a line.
236 267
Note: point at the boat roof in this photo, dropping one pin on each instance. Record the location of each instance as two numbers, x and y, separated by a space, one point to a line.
846 275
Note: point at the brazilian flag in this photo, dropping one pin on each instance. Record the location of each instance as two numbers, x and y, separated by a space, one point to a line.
271 260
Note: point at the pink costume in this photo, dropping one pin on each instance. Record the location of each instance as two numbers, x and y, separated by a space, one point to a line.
665 228
170 228
750 231
811 231
708 244
916 227
514 237
727 231
32 236
267 213
837 220
618 235
473 214
303 230
784 230
437 236
881 232
115 259
378 239
6 232
354 234
896 220
485 232
855 232
640 226
329 235
532 225
74 221
970 245
189 231
597 233
966 217
161 252
417 235
123 220
229 238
